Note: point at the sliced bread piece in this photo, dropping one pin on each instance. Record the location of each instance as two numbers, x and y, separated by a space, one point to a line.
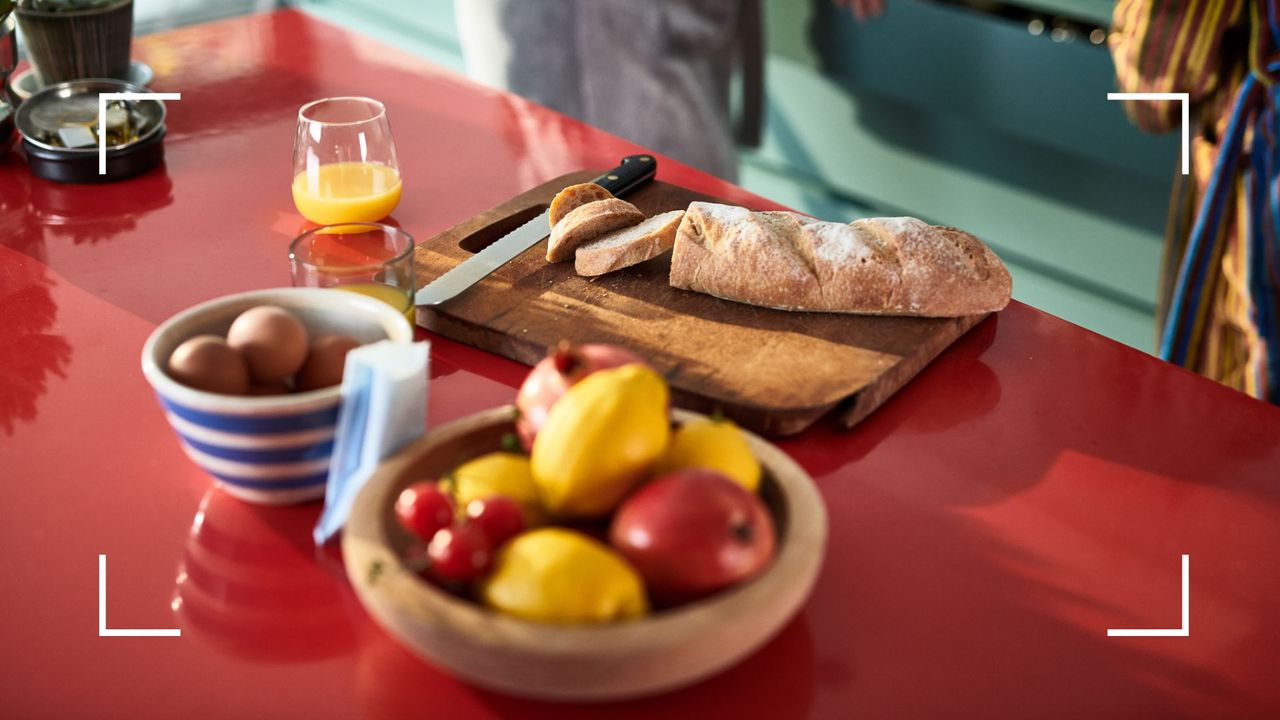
575 196
626 247
588 222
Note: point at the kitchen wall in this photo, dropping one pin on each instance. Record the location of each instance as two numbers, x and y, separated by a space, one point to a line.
956 115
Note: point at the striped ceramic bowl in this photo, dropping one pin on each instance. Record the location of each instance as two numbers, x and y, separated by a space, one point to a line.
274 449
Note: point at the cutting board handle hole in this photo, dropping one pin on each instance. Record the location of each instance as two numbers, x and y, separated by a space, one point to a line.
486 236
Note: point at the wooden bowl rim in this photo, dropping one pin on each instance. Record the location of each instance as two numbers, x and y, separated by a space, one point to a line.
800 552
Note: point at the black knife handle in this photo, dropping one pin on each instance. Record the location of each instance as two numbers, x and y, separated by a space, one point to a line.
631 173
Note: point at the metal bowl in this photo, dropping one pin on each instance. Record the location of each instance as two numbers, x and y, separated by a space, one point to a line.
79 99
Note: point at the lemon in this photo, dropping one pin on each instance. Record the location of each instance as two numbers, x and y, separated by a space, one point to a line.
714 445
498 473
601 437
562 576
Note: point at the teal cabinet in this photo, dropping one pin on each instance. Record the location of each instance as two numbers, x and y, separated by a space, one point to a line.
967 119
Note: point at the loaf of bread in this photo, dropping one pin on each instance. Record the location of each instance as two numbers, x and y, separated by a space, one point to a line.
879 266
573 197
588 222
629 246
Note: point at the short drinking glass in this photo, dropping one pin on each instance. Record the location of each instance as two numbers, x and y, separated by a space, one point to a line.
365 258
344 162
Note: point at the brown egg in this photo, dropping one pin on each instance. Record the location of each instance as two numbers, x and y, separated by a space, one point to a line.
272 340
325 363
207 362
266 389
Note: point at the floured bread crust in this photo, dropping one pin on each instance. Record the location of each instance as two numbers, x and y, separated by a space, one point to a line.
878 266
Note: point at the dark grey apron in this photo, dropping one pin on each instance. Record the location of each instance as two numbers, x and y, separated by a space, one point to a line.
655 72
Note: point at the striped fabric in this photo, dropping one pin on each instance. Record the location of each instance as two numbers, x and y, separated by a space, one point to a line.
1219 309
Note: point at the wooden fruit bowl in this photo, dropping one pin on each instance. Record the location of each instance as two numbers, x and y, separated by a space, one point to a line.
665 650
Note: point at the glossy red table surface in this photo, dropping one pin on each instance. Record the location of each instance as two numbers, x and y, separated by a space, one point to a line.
1032 488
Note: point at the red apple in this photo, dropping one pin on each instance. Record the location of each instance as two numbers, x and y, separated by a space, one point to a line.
554 374
692 532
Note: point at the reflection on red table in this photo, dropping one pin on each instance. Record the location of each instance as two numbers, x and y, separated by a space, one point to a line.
1030 489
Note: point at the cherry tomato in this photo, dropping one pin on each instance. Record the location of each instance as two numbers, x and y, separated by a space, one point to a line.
424 508
498 516
460 552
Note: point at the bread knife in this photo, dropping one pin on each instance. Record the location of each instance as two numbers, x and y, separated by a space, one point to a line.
631 173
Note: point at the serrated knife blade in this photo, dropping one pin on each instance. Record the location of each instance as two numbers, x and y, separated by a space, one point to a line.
631 173
478 266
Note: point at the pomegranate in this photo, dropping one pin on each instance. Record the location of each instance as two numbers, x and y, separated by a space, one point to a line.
554 374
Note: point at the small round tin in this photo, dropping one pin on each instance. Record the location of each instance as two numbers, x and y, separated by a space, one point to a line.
68 112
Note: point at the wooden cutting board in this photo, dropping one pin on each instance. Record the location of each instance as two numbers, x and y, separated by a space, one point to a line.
772 371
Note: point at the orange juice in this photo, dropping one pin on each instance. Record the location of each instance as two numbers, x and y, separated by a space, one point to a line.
347 192
398 298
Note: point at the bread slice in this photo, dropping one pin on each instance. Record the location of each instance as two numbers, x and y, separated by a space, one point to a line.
879 266
575 196
588 222
627 247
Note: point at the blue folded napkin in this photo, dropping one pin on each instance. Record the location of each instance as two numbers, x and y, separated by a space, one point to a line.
384 407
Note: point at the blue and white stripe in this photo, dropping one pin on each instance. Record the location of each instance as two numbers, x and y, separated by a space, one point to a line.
271 449
273 459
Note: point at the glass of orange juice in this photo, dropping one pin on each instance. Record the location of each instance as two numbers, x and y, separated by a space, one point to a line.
344 162
366 258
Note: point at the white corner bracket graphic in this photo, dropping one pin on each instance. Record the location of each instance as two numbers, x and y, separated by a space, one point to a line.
105 99
1185 630
1185 98
103 630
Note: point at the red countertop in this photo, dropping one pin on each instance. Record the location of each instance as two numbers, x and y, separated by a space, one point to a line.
1033 487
